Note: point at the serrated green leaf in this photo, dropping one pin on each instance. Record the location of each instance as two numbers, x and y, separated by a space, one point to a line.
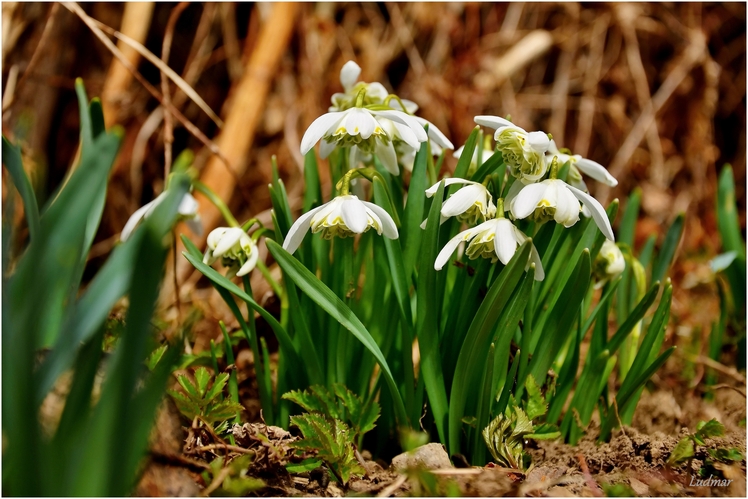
309 464
682 452
189 387
536 405
202 378
217 388
709 429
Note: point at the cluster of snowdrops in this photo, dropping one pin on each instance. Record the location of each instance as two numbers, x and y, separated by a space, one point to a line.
366 121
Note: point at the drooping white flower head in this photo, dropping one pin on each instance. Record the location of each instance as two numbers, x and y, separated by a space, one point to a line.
344 216
234 247
187 212
523 152
554 199
349 73
497 239
370 131
609 263
578 163
469 204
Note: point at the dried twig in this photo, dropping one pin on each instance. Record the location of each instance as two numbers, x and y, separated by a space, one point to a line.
727 371
228 447
723 386
165 51
39 50
393 487
93 25
591 483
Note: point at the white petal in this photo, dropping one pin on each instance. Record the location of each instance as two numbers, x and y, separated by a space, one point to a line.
387 155
326 148
435 134
250 263
567 206
299 229
492 121
596 171
389 229
539 141
552 148
504 241
376 91
318 129
597 211
407 135
349 75
354 214
133 222
527 200
410 106
460 201
449 248
360 122
188 206
229 239
513 191
400 117
447 182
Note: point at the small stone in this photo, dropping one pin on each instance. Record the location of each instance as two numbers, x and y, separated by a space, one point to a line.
641 488
430 456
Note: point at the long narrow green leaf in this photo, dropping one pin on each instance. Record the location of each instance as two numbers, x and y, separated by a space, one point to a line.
636 315
414 210
427 318
483 323
325 298
13 162
311 358
667 252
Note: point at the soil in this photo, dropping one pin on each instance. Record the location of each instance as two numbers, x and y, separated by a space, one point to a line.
634 461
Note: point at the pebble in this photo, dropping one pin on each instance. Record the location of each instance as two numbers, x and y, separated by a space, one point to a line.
430 456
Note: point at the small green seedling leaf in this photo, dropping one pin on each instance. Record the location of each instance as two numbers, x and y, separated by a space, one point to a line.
536 405
682 452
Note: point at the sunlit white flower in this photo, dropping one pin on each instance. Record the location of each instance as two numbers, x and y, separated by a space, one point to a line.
497 239
372 132
609 263
234 247
554 199
187 212
349 73
469 204
523 152
344 216
580 164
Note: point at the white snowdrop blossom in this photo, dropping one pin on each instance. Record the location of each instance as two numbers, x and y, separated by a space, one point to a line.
187 212
609 263
375 92
372 132
579 164
469 204
523 152
344 216
235 249
497 239
554 199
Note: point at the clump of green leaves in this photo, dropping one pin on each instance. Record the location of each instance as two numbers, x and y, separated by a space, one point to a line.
204 399
341 404
505 435
332 441
685 450
234 479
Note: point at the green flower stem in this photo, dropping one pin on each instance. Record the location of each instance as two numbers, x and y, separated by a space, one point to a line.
250 223
360 98
500 208
250 331
217 202
395 97
277 288
233 382
554 169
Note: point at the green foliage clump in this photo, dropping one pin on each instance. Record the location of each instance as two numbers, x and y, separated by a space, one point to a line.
204 399
332 441
685 451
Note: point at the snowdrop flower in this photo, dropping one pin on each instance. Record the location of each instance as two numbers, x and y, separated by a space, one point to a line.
609 263
370 131
349 73
344 216
469 204
554 199
578 163
523 152
187 211
497 239
234 247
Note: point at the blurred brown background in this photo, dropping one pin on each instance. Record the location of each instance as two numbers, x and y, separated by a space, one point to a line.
656 92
